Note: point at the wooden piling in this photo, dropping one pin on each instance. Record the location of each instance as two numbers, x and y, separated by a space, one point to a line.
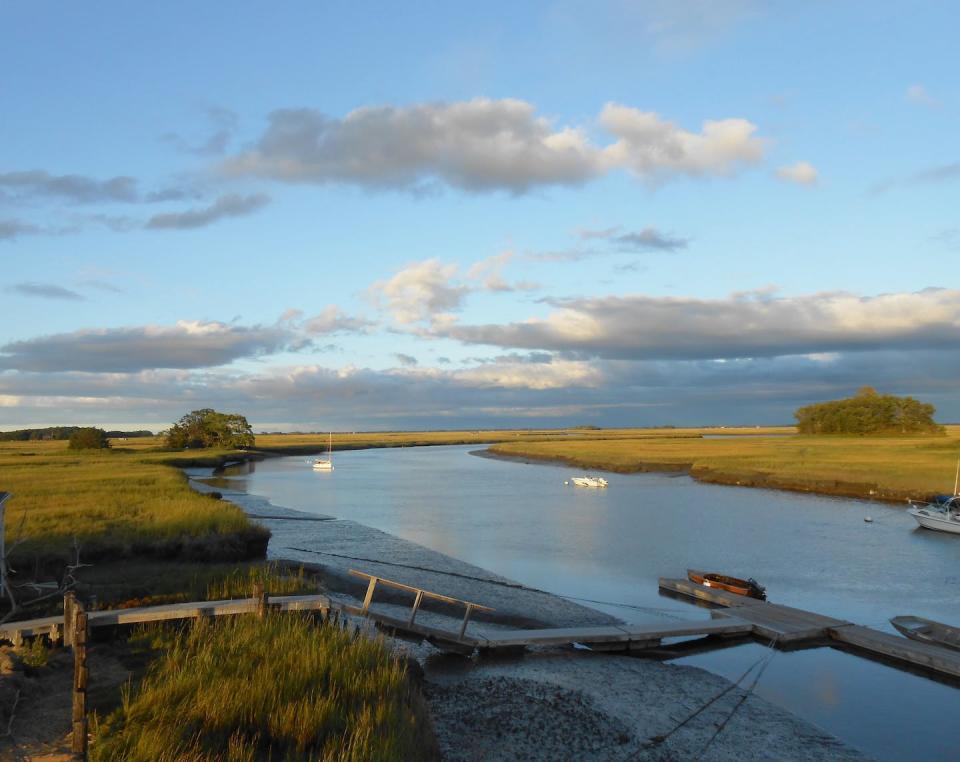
78 740
69 610
260 594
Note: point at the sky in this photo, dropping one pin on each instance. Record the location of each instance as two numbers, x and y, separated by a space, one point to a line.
443 215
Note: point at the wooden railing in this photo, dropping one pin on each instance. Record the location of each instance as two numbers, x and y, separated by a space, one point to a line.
419 595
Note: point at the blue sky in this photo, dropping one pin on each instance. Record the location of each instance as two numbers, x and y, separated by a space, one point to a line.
632 213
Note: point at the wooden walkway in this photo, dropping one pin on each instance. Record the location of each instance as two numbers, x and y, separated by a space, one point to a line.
781 626
788 627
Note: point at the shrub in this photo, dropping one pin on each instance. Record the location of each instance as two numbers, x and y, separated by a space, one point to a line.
89 438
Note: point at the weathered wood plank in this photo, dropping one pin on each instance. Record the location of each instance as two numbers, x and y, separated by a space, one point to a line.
894 647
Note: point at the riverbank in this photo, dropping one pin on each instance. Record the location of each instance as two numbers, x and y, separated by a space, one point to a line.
892 469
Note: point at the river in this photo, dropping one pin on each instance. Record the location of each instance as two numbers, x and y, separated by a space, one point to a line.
817 553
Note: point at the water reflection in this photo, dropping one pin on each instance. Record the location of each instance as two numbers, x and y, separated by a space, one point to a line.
815 553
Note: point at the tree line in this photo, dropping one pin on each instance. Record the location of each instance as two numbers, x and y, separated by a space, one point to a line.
868 412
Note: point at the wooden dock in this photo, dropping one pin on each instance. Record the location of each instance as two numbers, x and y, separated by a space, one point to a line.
734 617
788 627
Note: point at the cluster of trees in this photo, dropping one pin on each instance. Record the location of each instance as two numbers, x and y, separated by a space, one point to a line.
89 438
61 432
868 413
208 428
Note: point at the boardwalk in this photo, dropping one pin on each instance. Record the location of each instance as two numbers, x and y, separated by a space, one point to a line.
739 617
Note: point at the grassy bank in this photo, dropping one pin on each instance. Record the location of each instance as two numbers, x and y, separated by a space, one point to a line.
277 688
891 468
298 444
116 504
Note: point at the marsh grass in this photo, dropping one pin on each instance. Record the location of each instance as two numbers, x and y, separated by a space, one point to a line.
276 580
114 505
892 467
276 688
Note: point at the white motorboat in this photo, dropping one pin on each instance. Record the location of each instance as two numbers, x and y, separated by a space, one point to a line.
943 517
589 481
325 464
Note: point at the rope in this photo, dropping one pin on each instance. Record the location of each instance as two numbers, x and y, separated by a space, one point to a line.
500 583
761 662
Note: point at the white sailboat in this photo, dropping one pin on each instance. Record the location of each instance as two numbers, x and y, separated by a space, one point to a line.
325 464
944 515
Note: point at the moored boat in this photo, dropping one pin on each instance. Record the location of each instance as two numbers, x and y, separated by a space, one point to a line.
589 481
325 464
927 631
747 587
942 516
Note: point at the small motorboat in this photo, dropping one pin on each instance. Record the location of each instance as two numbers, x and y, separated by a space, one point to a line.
928 631
589 481
748 587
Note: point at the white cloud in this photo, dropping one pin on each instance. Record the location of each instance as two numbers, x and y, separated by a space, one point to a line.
420 291
331 319
800 173
655 149
485 145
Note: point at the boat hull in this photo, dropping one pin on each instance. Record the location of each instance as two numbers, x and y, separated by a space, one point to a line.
935 520
735 585
927 631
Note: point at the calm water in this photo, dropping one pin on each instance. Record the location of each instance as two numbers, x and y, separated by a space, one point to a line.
521 521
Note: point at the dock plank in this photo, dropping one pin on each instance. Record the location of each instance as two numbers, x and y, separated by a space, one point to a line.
935 658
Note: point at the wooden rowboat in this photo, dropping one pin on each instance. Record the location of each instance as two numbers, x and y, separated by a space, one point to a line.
928 631
748 587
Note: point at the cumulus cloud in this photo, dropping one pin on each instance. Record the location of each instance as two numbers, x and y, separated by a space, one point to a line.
800 173
187 344
44 291
486 145
230 205
642 327
331 319
408 361
420 291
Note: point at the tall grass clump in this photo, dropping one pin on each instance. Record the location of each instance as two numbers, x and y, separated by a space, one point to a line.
278 688
275 578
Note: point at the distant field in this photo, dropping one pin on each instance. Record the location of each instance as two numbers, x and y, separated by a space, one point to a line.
296 443
889 467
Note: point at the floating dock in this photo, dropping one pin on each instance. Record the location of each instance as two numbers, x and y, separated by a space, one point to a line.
788 627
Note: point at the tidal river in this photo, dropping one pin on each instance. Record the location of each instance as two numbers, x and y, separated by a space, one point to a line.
523 522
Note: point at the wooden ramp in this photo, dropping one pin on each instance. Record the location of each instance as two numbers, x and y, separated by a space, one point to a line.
788 627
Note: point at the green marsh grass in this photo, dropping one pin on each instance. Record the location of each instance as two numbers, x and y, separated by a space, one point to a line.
278 688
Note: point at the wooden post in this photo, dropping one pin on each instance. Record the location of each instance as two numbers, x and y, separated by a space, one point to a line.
69 612
368 598
78 739
260 593
466 618
416 605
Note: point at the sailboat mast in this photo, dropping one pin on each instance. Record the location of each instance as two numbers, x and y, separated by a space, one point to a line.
956 479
